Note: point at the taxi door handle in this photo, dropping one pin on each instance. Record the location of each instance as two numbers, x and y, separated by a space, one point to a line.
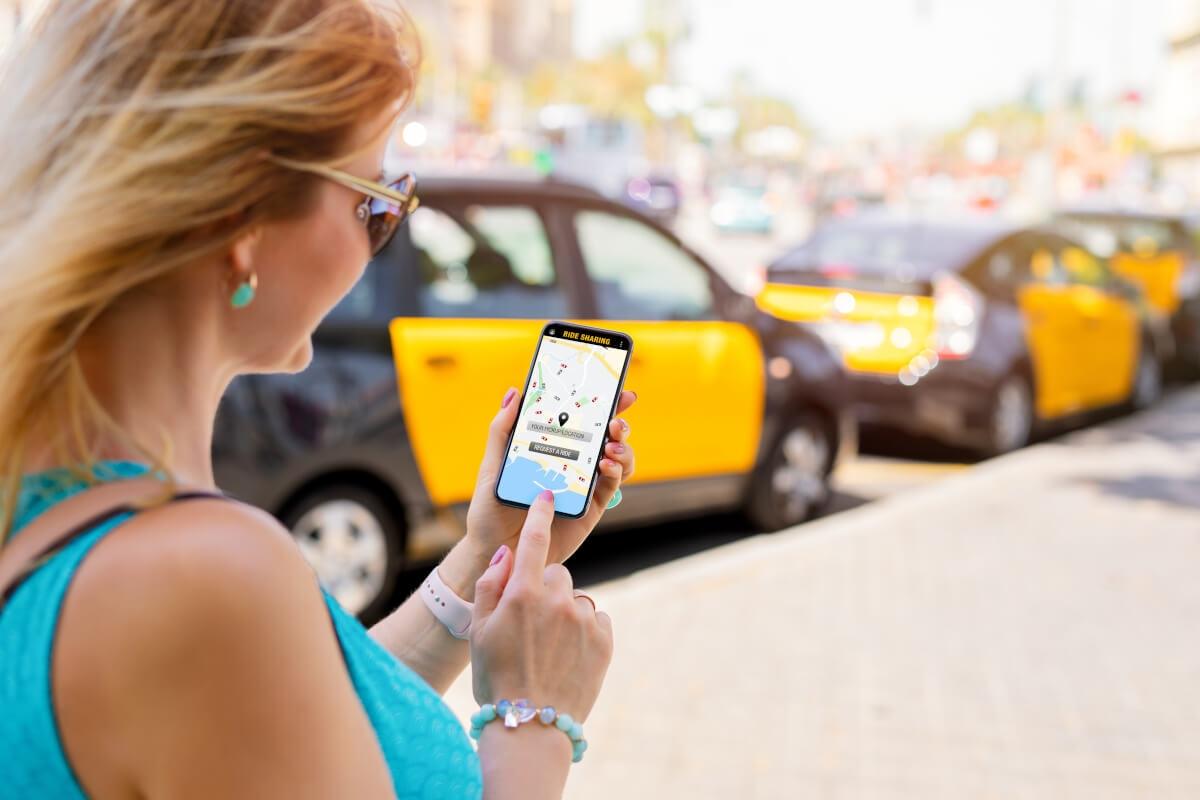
441 361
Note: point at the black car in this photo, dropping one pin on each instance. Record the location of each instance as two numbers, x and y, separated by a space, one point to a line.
369 456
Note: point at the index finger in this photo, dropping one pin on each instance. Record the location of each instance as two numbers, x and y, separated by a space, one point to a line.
534 544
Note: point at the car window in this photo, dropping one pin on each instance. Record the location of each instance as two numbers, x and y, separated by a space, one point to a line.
1144 236
1083 267
485 261
638 273
1045 264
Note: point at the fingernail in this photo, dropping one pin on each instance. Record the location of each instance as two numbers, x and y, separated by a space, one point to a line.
617 447
632 392
508 398
496 559
547 495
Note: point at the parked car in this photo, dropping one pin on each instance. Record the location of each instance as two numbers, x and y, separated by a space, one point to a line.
657 196
370 455
742 208
1158 253
975 333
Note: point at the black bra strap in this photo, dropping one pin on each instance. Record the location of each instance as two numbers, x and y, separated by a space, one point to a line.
87 525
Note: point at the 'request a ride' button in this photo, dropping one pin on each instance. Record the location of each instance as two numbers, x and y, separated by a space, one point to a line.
551 450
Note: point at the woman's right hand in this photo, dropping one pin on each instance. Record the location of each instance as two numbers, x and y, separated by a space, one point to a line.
530 636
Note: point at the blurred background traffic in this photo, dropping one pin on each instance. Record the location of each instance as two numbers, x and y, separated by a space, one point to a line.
753 118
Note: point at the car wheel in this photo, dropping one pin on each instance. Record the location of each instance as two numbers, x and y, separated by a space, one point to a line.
1010 424
793 483
354 542
1147 382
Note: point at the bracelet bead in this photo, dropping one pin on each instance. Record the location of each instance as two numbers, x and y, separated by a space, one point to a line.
515 713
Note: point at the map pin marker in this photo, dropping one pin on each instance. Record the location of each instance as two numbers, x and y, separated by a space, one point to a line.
562 419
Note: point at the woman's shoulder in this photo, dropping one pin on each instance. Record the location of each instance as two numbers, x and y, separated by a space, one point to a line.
192 564
204 611
184 576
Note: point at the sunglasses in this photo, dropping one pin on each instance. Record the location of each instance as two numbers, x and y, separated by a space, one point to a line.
383 209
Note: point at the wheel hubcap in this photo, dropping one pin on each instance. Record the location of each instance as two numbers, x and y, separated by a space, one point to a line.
346 545
1013 416
798 480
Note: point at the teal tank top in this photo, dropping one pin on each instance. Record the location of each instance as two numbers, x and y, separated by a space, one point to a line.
428 753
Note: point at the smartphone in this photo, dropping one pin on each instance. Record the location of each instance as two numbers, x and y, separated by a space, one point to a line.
570 396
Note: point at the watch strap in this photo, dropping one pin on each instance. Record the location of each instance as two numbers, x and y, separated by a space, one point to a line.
453 612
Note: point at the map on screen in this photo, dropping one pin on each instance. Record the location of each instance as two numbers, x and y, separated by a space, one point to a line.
561 425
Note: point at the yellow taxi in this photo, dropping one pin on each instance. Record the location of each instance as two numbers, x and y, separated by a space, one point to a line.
973 332
1158 253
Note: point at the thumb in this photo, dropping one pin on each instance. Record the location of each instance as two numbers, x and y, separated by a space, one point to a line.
490 585
497 440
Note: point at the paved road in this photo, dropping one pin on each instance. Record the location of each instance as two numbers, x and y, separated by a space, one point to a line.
1023 629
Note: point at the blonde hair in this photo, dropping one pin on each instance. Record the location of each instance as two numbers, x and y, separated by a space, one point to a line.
136 136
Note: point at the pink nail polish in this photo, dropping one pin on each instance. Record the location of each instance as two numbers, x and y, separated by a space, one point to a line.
496 559
508 398
546 495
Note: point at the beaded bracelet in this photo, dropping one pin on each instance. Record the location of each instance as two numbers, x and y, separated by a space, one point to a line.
519 712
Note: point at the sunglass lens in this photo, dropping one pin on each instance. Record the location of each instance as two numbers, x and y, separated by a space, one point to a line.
386 217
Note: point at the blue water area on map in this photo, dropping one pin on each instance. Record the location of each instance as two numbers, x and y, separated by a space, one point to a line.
517 485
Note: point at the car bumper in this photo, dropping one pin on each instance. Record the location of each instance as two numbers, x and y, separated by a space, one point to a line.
951 403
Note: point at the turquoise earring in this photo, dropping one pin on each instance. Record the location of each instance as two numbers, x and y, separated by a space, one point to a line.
244 294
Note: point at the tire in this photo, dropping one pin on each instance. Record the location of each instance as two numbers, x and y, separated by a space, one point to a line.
1147 386
792 483
355 543
1011 417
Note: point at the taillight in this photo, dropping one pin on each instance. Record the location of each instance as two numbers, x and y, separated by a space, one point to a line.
957 313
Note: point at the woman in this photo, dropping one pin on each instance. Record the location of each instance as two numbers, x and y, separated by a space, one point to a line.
187 189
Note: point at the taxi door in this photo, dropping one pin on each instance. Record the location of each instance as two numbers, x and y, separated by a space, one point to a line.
1055 332
1111 329
700 380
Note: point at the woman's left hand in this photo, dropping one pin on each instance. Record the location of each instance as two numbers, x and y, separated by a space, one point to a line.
490 523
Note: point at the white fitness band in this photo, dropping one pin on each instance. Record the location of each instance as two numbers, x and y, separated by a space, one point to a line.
449 608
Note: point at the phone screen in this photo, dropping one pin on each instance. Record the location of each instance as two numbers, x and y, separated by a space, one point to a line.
570 396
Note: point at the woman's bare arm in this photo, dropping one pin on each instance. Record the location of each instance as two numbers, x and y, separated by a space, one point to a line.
412 634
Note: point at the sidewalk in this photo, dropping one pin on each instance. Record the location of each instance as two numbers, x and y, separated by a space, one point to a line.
1028 629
